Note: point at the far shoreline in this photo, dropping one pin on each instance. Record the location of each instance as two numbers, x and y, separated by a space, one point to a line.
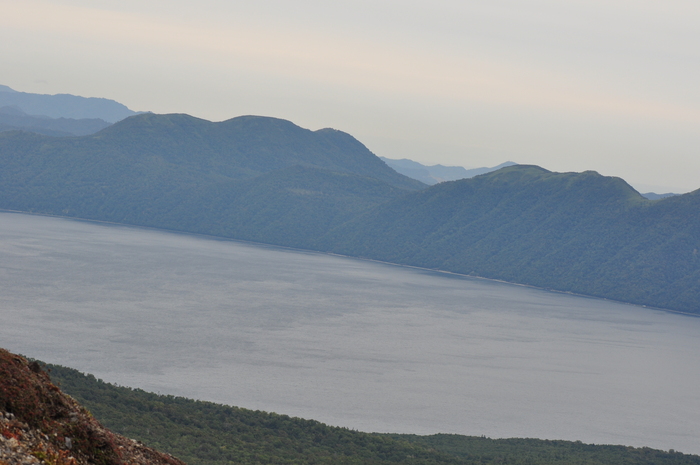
333 254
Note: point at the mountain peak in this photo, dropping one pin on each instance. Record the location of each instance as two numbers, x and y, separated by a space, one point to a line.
247 146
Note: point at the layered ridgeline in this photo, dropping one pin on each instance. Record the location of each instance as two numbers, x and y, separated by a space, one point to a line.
253 178
577 232
13 118
64 105
267 180
61 115
434 174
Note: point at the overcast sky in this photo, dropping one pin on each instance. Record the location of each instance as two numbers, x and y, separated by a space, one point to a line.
611 86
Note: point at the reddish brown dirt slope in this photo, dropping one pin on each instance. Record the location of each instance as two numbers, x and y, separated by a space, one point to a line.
41 425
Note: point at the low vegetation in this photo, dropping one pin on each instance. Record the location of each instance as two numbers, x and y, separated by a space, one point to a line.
207 433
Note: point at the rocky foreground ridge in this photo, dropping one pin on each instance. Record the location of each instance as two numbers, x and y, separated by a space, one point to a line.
41 425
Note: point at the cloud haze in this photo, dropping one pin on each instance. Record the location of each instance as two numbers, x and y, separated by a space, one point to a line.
571 86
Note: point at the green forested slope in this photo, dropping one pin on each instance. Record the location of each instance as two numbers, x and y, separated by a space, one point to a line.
290 207
578 232
173 153
253 178
206 433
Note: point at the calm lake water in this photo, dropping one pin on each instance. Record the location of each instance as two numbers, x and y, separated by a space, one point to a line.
354 343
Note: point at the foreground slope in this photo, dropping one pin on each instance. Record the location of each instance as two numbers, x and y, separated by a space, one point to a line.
577 232
207 433
40 424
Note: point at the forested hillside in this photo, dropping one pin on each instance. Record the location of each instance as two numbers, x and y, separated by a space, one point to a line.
206 433
577 232
268 180
260 179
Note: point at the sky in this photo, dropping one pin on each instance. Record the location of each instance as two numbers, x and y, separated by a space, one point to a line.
610 86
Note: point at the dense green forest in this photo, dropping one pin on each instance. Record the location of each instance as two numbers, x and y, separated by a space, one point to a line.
207 433
267 180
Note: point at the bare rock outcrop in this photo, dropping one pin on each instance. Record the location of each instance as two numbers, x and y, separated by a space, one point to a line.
41 425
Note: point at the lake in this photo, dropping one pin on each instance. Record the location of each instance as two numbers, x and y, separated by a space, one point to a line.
349 342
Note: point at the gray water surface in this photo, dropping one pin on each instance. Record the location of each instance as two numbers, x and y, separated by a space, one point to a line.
365 345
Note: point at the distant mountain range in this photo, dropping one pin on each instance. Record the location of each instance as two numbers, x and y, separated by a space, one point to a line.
434 174
268 180
13 118
64 106
655 196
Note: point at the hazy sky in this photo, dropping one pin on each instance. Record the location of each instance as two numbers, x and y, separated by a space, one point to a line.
569 85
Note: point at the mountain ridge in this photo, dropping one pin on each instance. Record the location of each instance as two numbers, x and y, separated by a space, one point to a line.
252 144
183 173
13 118
434 174
572 232
65 105
267 180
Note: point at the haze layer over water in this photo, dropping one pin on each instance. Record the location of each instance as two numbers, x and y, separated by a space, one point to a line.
353 343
